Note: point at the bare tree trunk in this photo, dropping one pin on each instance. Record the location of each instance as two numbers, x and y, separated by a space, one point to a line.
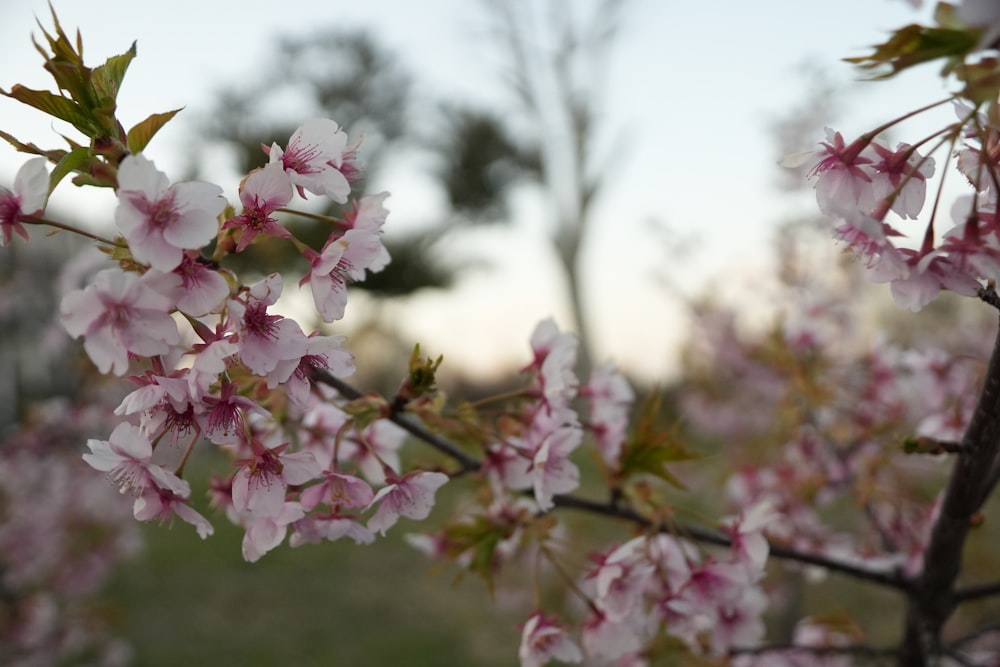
932 599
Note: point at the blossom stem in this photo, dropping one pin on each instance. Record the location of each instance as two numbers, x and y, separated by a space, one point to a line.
187 453
312 216
74 230
929 237
569 581
868 136
517 393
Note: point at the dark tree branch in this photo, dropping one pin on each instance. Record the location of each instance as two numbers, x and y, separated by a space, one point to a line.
862 651
977 592
396 416
933 598
990 296
972 638
698 534
617 511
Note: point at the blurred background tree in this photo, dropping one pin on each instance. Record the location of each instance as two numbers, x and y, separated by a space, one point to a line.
351 78
552 65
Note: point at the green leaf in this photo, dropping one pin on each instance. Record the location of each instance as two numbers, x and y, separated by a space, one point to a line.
481 538
108 77
70 162
651 446
52 104
915 44
143 131
421 380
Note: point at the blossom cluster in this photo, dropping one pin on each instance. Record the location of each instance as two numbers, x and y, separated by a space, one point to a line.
861 184
216 363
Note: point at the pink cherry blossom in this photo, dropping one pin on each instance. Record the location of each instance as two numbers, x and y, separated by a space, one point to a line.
905 169
375 450
127 458
869 239
508 467
338 490
27 200
266 532
262 192
551 470
211 357
162 504
160 220
344 258
225 420
315 159
322 352
119 314
153 390
622 578
369 214
610 399
739 624
554 361
315 529
843 181
203 289
928 273
544 639
261 484
411 496
747 533
265 340
165 404
612 640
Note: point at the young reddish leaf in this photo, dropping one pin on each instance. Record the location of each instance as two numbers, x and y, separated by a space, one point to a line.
65 64
54 105
143 131
108 77
32 149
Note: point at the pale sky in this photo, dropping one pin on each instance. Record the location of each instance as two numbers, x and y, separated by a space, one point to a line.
692 89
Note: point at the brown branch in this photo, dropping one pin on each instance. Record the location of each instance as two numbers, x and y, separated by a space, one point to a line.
863 651
990 296
974 636
615 510
698 534
933 597
417 430
977 592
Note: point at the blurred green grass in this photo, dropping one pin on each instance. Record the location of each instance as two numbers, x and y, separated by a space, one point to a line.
192 602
